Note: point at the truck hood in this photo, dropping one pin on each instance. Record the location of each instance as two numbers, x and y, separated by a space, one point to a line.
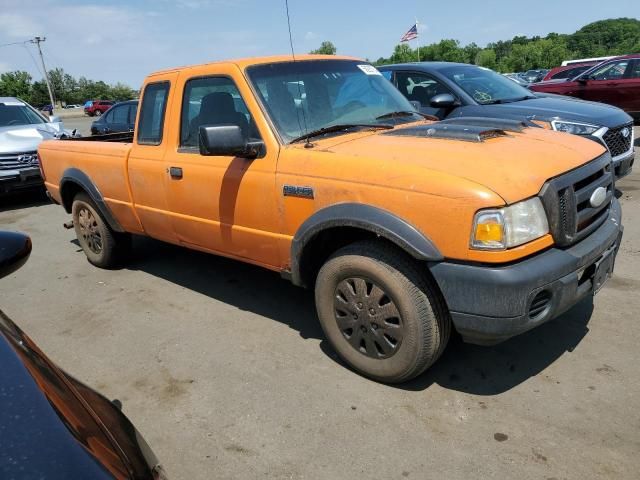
514 166
549 107
26 138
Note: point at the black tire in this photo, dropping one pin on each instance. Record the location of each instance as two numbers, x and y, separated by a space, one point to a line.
103 247
358 318
97 113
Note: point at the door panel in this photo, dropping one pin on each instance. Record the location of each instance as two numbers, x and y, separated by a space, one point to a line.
146 167
222 204
604 83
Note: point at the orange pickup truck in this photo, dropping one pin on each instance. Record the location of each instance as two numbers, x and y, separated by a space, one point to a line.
317 168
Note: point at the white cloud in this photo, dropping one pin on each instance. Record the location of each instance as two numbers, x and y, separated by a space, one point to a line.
18 26
310 36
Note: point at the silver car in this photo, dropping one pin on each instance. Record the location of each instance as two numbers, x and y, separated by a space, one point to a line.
22 128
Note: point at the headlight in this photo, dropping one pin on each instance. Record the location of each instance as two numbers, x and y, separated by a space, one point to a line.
574 127
497 229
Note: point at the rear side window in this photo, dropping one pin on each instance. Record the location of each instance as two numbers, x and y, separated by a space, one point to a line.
151 123
120 114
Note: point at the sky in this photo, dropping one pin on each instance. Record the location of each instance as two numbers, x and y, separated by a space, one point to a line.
123 41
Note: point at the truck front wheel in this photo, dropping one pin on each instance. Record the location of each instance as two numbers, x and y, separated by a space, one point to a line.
103 247
383 315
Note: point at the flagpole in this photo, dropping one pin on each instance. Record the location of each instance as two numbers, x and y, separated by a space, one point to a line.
417 39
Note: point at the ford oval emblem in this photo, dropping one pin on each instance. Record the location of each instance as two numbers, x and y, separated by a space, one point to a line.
598 197
625 132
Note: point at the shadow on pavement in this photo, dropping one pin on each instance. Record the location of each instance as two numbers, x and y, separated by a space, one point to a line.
465 368
493 370
26 199
247 287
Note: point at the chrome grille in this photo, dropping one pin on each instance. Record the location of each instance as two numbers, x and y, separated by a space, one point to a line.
18 161
616 142
567 201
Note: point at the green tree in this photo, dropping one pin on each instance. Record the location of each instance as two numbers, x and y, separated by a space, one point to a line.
487 58
15 84
326 48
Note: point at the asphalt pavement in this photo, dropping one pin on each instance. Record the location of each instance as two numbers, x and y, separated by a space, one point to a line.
224 369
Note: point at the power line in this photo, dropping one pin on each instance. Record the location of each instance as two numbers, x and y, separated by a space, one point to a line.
14 43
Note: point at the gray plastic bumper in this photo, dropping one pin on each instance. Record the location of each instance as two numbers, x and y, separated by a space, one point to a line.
491 304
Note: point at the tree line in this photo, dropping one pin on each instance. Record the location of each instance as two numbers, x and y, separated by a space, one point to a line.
598 39
66 89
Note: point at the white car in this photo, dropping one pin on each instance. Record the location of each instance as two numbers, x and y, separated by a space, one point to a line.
22 128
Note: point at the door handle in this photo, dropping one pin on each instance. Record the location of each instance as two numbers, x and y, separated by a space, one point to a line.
175 172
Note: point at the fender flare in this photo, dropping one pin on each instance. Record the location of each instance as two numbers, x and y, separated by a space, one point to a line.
82 180
366 217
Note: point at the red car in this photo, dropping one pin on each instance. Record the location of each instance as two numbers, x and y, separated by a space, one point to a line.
568 72
98 107
615 81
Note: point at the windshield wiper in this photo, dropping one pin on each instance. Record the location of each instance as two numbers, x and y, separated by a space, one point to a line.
401 113
339 128
498 101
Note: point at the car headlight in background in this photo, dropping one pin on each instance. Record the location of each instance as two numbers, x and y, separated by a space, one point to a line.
497 229
574 128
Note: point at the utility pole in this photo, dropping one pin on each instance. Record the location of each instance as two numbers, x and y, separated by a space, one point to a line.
37 41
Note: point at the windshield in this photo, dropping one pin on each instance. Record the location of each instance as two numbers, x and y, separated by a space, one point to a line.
485 86
305 96
17 113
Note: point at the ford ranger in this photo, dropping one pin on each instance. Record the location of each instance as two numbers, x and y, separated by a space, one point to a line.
318 168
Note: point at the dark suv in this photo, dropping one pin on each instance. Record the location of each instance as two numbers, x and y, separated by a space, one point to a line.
119 118
98 107
449 90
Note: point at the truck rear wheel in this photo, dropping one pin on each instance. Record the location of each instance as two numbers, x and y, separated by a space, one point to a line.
384 317
103 247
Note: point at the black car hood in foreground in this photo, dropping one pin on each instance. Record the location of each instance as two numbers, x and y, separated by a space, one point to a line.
53 427
548 107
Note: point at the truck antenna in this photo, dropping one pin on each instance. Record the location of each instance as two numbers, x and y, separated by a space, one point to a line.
307 144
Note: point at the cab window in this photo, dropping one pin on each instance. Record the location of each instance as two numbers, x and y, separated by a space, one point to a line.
151 123
419 87
213 101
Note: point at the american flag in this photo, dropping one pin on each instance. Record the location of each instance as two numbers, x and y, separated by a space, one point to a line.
412 34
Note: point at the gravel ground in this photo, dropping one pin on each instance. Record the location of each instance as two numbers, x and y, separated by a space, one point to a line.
224 369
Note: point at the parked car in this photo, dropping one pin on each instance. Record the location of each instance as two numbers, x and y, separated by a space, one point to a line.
401 225
98 107
449 90
72 105
533 76
568 71
22 128
615 81
119 118
517 78
53 426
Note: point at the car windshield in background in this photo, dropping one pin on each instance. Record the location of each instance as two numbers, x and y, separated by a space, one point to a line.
485 86
307 96
17 113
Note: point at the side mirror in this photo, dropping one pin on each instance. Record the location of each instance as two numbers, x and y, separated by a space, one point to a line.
227 141
14 251
54 119
443 100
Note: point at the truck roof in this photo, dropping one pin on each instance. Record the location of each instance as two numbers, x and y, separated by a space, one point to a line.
246 62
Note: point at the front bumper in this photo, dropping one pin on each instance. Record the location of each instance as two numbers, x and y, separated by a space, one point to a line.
622 165
24 179
491 304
